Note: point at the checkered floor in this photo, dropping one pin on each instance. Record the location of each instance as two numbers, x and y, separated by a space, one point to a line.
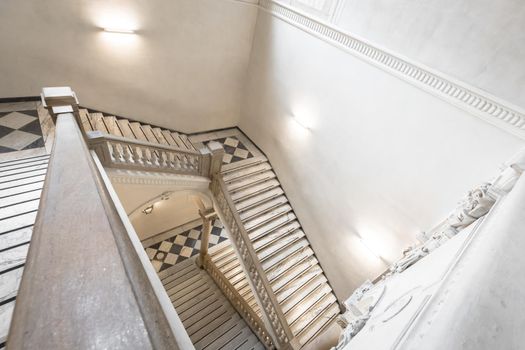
234 150
20 130
183 246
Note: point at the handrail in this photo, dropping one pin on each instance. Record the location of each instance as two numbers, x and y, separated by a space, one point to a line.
82 278
272 314
121 152
238 302
98 136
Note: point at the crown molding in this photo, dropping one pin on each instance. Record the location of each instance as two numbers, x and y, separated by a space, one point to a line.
489 108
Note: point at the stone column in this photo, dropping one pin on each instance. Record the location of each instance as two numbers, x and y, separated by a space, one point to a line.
207 216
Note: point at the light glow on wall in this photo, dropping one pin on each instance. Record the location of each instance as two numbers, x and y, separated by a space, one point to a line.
118 25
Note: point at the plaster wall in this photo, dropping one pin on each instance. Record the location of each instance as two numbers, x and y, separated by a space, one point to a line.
382 161
479 42
184 68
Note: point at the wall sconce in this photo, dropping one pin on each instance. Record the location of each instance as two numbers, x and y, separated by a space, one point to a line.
119 30
302 122
148 210
165 195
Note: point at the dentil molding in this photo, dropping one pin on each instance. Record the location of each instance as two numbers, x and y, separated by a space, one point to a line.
500 113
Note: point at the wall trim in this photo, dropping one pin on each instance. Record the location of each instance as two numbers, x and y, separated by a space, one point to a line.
19 99
491 109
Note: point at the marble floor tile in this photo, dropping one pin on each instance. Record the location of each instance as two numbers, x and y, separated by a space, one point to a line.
16 120
18 140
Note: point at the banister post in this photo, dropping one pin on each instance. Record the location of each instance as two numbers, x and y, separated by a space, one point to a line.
217 153
207 218
58 100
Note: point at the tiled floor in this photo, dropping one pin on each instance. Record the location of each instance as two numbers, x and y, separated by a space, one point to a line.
20 127
182 246
237 147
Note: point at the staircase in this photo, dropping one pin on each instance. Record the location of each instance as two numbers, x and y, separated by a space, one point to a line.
210 320
283 250
296 278
21 182
107 124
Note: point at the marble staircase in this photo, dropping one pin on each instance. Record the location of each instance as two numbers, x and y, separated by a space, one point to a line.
296 278
21 182
210 320
107 124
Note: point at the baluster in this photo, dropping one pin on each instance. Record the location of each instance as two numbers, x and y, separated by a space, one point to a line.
127 156
138 155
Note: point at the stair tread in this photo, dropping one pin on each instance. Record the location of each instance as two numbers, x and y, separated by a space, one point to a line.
247 171
125 128
97 121
112 126
136 128
24 160
250 180
317 325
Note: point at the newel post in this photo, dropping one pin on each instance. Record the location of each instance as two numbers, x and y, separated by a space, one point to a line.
207 216
217 153
59 100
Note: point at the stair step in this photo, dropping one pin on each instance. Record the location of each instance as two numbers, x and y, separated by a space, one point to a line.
258 199
169 138
250 181
26 175
12 258
278 269
237 166
247 344
19 209
301 293
112 126
84 119
15 238
234 337
125 128
280 246
275 224
263 207
187 142
293 272
198 295
23 169
316 326
312 313
29 185
267 217
292 286
158 134
97 122
250 170
213 331
203 314
308 302
136 128
284 252
176 137
17 222
254 190
271 236
25 160
150 136
25 165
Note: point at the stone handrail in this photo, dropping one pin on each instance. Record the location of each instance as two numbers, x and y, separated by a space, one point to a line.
238 302
125 153
272 314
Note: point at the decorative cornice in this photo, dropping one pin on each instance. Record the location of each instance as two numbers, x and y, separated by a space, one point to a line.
479 103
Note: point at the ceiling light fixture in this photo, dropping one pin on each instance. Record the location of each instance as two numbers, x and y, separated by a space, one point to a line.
148 210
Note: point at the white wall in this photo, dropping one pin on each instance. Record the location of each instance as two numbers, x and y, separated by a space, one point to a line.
479 42
185 68
383 160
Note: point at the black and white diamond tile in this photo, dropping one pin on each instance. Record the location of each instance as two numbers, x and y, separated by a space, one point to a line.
20 130
234 150
183 246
